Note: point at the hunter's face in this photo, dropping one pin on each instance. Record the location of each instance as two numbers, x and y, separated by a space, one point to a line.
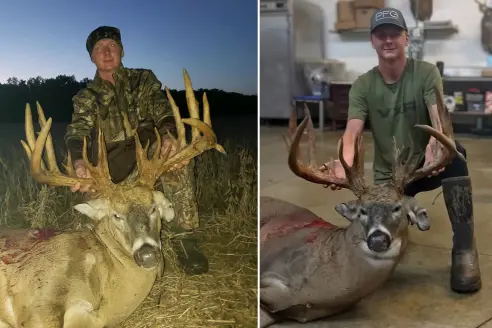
106 55
389 41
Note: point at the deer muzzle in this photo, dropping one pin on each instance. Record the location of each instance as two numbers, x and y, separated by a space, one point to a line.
147 256
378 241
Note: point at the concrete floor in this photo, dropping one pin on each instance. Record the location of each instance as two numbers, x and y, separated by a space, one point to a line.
418 294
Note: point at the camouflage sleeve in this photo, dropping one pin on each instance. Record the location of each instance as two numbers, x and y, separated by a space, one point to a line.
155 100
82 123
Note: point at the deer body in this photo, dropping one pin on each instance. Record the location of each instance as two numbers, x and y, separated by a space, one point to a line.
98 276
94 283
309 268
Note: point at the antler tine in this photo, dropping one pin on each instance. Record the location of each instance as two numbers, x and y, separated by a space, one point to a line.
291 127
355 176
445 138
30 136
50 150
357 168
100 181
180 129
309 173
192 103
402 168
360 156
203 140
101 170
53 176
311 135
206 110
143 164
147 169
34 150
444 116
69 166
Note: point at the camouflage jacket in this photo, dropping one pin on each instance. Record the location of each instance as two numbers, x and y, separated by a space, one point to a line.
136 92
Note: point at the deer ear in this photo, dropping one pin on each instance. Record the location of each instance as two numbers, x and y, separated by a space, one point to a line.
96 209
348 210
419 217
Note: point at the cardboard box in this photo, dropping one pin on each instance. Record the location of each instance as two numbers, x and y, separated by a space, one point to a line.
363 17
345 10
376 4
487 72
345 25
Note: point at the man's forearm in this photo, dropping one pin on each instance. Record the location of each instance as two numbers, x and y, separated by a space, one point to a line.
435 120
352 132
348 148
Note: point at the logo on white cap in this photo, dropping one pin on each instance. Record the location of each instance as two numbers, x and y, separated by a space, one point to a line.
386 14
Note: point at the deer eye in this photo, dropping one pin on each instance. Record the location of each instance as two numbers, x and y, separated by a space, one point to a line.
397 208
363 211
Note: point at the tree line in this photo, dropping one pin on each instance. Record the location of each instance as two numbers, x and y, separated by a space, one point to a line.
55 96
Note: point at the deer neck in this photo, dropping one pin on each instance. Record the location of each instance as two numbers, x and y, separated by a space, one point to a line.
342 238
353 232
105 235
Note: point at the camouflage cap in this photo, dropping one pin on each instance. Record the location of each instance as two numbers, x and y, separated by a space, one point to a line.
102 32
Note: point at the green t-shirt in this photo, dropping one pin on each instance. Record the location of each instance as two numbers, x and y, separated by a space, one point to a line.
394 109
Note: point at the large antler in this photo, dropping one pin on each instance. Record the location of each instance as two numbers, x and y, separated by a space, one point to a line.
406 171
149 170
100 180
203 139
354 180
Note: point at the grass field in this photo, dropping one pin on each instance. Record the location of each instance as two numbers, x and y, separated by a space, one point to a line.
227 195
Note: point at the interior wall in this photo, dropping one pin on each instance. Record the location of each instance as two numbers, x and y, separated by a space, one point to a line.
309 30
315 21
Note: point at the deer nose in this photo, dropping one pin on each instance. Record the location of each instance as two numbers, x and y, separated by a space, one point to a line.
146 256
378 241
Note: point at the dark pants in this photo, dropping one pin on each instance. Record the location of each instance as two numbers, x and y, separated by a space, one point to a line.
457 168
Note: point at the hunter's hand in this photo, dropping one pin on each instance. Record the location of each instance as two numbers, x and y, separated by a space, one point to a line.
166 142
81 172
432 153
336 170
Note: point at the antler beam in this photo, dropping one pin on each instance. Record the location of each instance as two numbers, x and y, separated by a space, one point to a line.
405 171
100 180
203 139
354 175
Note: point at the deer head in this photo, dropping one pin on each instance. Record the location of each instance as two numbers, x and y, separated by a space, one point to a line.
481 6
382 211
130 211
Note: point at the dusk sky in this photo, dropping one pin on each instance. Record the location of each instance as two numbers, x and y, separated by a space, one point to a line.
215 40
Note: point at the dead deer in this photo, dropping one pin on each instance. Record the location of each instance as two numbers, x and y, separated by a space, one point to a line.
95 277
311 269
